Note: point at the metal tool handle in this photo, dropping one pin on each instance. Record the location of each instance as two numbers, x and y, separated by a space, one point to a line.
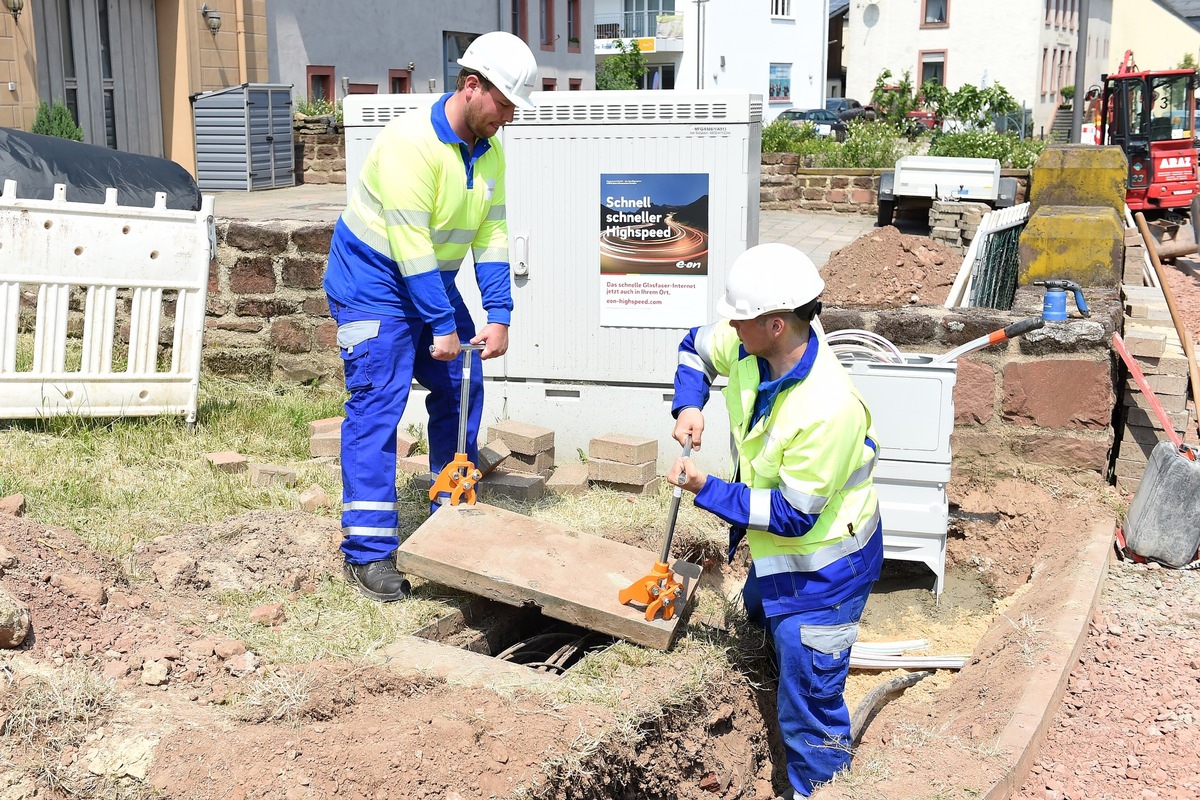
464 396
676 496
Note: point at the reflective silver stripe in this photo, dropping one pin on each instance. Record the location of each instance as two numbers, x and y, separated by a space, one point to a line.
862 473
703 345
359 530
819 559
365 233
452 236
449 264
401 216
368 505
802 502
495 214
492 254
418 266
760 510
695 362
829 638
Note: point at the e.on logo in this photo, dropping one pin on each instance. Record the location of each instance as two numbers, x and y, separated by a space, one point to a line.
1175 162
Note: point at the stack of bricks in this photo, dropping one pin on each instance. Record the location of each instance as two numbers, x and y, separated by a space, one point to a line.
624 463
521 475
1151 339
954 223
1135 259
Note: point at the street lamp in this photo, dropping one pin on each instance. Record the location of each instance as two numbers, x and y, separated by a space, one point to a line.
212 17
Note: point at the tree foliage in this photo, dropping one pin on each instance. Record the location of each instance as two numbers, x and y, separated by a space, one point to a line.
893 100
973 108
1187 62
56 120
623 70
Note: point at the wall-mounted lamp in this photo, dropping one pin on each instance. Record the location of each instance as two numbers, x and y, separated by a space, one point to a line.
212 17
411 66
14 7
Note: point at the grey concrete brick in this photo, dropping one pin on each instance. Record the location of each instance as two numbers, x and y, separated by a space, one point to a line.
521 437
325 444
568 479
271 475
627 488
600 469
623 448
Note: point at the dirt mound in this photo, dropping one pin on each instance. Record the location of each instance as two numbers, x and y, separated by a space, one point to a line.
889 269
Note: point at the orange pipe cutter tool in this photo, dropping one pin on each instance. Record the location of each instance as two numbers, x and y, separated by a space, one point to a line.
659 589
458 478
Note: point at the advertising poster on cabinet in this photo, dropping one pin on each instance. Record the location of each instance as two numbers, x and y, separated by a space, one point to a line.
654 250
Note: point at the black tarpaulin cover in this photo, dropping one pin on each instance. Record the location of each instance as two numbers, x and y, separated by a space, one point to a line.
38 162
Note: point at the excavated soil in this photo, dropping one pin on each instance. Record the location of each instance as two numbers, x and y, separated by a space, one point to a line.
180 726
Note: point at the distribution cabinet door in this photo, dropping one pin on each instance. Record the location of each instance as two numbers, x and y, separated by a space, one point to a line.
624 209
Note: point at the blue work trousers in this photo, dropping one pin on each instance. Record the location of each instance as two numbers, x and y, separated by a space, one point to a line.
812 651
381 356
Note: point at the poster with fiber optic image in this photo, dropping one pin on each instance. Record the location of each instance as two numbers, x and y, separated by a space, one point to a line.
654 250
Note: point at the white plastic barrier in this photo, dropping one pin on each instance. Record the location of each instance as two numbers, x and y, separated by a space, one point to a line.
75 267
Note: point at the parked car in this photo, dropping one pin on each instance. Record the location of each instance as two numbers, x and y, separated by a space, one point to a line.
847 108
826 122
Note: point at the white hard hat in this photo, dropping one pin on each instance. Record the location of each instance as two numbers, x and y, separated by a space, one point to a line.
769 277
507 63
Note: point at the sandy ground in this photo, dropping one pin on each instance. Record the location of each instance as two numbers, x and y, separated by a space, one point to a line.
183 723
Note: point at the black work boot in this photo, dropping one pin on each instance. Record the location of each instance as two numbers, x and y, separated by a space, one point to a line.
378 580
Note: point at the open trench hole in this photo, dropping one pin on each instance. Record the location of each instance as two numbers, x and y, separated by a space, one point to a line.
519 635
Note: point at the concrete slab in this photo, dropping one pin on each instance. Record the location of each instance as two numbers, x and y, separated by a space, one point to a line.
518 560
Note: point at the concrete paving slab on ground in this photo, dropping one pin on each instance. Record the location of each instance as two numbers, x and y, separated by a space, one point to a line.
518 560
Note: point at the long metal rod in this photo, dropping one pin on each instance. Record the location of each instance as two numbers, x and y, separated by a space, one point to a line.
464 395
676 496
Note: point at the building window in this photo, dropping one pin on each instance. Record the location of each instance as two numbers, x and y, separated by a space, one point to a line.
781 8
658 76
362 88
520 17
454 44
549 84
1045 67
546 13
399 81
932 66
779 89
641 16
320 83
937 12
575 84
573 26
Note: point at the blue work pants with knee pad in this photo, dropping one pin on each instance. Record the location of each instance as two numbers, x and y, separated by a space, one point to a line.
812 651
382 356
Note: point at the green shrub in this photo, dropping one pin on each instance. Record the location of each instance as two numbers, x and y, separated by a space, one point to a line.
317 108
1006 148
56 120
869 145
781 136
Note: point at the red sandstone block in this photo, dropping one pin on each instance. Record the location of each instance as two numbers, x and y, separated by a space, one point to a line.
1067 393
405 444
328 443
626 488
521 437
227 461
600 469
271 475
514 485
568 479
623 448
491 455
325 425
413 465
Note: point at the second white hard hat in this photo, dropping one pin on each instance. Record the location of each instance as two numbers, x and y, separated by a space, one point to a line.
507 63
769 277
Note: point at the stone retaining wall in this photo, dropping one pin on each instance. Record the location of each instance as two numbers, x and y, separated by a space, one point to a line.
1047 397
320 150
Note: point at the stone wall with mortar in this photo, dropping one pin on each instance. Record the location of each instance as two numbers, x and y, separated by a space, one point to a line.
1047 397
320 150
787 184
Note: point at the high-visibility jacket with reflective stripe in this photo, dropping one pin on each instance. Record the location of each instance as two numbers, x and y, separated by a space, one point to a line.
804 492
422 203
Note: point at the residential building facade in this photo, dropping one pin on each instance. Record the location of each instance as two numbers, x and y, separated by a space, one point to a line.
128 70
381 47
1027 46
1157 33
774 48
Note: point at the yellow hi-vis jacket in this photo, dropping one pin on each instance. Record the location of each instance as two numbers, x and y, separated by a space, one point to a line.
422 202
802 489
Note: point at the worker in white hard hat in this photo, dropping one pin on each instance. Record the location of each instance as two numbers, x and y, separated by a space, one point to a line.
801 493
432 189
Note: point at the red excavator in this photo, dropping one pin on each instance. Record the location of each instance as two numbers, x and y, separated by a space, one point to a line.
1151 116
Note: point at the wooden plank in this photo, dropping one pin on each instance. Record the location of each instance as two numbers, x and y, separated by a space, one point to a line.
518 560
